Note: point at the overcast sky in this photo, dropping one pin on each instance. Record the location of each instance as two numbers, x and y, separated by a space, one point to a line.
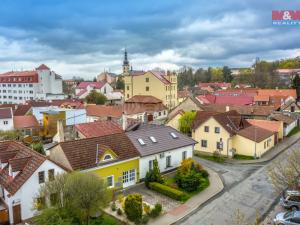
86 37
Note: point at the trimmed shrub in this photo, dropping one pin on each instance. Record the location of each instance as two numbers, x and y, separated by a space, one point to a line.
113 206
156 210
147 209
154 175
189 181
119 212
145 219
134 207
168 191
204 173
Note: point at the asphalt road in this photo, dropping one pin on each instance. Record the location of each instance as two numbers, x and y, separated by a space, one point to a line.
247 189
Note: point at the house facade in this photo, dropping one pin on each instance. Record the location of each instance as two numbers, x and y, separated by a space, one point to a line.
6 119
156 83
23 171
20 86
165 144
84 88
112 157
228 133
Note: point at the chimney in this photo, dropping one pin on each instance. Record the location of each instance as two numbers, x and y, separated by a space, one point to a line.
60 135
227 108
124 121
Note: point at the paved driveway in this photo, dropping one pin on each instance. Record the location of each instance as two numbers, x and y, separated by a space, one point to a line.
247 188
153 197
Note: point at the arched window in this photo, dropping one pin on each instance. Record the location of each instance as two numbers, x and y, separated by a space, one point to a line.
107 157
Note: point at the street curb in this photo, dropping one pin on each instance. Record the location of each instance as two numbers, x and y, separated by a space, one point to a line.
193 211
264 215
236 162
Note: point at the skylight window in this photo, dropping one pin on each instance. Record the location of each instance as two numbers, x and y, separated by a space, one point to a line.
153 139
173 135
141 141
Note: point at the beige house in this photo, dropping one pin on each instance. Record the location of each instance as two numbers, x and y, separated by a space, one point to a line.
228 133
174 120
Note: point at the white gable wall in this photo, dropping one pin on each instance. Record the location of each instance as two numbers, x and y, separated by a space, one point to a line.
28 192
176 158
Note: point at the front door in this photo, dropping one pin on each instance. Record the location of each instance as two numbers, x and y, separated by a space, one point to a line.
150 117
129 178
17 214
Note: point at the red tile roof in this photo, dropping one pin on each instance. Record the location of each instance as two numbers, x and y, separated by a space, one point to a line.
43 67
143 103
255 133
19 77
280 92
104 111
6 113
266 124
143 99
261 98
226 100
85 84
238 91
22 110
98 128
83 156
21 158
28 121
215 84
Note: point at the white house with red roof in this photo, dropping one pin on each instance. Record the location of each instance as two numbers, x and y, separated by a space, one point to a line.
6 119
84 88
22 172
39 84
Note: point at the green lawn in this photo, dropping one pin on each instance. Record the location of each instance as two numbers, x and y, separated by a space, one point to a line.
294 131
105 220
170 181
243 157
220 159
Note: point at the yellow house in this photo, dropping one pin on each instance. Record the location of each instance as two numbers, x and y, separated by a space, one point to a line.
156 83
174 120
50 119
228 133
113 157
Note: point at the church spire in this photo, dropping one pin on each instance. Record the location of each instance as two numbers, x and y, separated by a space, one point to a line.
125 63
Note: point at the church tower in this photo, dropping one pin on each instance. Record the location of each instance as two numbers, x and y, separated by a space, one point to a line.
125 64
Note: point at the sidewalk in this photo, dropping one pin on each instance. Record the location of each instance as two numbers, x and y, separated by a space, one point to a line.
272 153
178 213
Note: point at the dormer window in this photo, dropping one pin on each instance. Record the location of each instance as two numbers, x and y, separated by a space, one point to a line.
107 157
141 141
153 139
174 136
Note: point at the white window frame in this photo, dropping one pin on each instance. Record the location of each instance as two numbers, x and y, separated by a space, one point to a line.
113 181
107 155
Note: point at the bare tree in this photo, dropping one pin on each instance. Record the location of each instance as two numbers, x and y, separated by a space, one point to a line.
285 174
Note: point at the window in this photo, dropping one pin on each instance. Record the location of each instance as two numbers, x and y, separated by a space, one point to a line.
219 145
107 157
159 113
41 177
217 130
173 135
127 88
264 144
53 199
141 141
147 88
153 139
5 122
147 79
151 164
206 129
168 161
132 175
292 108
51 175
183 155
127 95
110 181
30 85
204 143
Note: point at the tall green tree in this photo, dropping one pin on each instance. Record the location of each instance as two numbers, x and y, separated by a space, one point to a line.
74 198
296 84
185 122
120 84
95 97
227 76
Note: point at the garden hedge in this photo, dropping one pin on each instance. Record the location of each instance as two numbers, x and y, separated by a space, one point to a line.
168 191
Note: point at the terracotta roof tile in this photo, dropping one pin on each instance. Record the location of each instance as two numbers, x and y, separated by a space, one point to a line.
255 133
143 103
281 92
6 113
43 67
281 117
84 155
22 110
98 128
104 111
28 121
266 124
17 152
